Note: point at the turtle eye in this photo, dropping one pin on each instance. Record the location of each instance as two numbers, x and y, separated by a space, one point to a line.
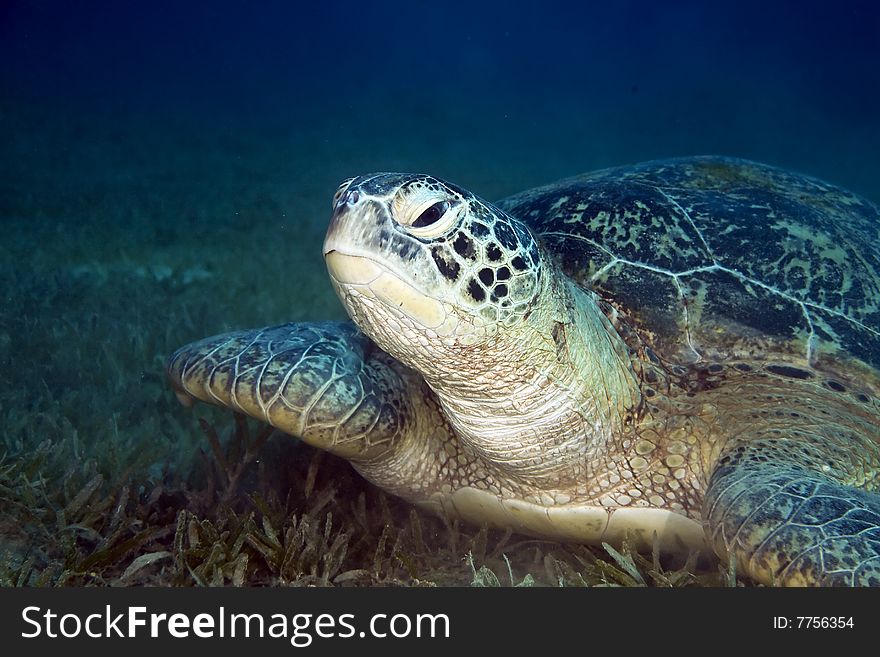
431 218
432 215
424 210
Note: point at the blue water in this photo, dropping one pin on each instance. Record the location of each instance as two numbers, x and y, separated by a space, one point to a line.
494 95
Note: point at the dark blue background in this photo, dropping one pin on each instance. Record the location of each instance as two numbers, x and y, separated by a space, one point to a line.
500 94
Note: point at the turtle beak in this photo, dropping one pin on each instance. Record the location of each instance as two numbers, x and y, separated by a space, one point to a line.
353 224
347 262
351 269
332 238
351 264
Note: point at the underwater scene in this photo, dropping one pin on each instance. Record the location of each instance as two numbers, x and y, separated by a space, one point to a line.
169 172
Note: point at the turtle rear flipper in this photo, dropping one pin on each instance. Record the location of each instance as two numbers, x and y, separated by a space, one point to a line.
323 382
787 524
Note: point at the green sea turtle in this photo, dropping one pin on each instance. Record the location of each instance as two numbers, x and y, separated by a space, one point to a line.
684 350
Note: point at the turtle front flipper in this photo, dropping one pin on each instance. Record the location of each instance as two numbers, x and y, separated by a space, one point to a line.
778 508
323 382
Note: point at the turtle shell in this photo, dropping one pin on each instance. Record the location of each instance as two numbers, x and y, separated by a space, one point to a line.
712 259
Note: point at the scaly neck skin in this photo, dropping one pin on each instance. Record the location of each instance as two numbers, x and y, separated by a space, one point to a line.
542 398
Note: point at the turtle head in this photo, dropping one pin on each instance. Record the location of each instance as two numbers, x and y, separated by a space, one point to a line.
422 264
462 292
